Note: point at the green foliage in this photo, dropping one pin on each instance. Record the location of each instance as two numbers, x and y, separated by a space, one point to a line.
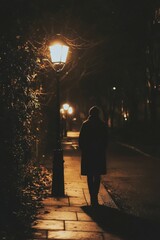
19 105
34 185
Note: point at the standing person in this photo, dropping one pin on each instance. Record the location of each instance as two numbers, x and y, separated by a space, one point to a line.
93 140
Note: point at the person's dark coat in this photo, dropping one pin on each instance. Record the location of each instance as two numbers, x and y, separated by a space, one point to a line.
93 143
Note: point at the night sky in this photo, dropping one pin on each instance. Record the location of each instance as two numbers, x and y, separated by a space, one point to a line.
121 26
91 18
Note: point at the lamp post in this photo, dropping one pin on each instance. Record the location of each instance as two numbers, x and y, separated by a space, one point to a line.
66 112
65 108
58 53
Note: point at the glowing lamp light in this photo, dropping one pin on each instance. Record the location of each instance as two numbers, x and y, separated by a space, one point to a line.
70 110
62 111
58 53
66 106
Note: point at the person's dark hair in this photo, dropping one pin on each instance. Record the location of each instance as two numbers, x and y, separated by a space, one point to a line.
94 111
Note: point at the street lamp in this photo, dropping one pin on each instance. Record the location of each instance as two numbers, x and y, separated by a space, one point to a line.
70 110
58 53
67 110
65 106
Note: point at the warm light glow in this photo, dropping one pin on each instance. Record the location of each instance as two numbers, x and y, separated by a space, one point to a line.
125 115
58 53
62 111
70 110
66 106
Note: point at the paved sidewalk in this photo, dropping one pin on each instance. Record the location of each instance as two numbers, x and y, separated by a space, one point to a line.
72 217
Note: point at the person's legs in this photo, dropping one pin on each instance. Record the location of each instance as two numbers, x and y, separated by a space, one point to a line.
97 181
96 184
90 183
93 187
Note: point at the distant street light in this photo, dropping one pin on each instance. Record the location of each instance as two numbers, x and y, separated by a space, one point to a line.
65 111
70 110
65 106
58 53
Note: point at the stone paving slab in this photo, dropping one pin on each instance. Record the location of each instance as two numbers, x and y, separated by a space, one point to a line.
77 201
75 185
58 215
49 225
63 235
47 209
84 226
83 217
73 192
56 201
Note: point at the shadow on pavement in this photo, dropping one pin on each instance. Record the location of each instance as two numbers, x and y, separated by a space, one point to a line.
122 225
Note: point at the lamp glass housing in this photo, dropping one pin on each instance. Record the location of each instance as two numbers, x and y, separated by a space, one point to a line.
58 53
65 106
70 110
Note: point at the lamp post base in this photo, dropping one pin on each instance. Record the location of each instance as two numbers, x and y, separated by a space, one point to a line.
58 174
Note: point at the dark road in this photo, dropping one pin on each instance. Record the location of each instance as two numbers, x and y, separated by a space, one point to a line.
133 181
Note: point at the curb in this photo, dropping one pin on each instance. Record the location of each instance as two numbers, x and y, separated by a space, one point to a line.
106 197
